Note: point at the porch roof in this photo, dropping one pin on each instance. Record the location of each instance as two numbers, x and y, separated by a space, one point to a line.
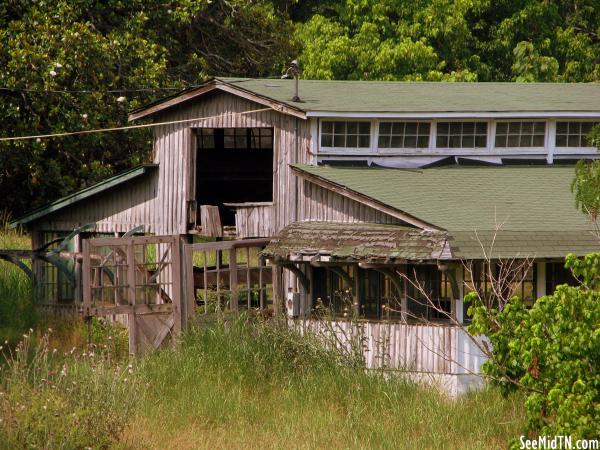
356 242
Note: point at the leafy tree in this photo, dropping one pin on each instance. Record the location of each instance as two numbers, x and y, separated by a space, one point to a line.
551 351
73 65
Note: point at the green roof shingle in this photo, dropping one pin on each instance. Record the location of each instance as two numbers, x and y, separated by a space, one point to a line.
532 206
426 97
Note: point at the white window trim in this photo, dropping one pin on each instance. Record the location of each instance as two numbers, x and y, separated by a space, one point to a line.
403 150
572 150
463 150
345 150
522 150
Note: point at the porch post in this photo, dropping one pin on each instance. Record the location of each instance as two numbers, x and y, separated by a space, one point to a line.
540 288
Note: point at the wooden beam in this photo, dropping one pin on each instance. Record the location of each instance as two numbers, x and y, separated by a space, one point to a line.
217 85
365 200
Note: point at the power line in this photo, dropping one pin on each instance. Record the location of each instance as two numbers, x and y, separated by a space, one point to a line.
125 128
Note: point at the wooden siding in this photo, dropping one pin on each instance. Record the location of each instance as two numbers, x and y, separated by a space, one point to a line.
174 151
118 210
320 204
255 221
397 346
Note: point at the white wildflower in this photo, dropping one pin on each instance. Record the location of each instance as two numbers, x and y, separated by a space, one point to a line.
58 65
53 73
85 116
121 99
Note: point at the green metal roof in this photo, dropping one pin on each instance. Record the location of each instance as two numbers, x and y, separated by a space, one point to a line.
426 97
83 194
532 205
351 242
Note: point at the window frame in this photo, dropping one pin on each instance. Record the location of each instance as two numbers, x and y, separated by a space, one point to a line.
347 150
569 149
458 150
405 150
518 149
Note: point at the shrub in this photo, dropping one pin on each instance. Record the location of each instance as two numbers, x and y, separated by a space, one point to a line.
552 352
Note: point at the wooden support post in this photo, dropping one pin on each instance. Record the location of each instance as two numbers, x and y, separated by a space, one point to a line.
205 255
86 278
233 279
261 289
188 280
248 291
131 298
179 316
278 298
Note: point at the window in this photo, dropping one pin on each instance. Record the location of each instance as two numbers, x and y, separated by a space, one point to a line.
346 134
434 299
557 274
491 278
461 134
235 138
404 134
520 134
573 134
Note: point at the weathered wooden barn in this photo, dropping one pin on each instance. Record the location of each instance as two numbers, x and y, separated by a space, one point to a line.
380 201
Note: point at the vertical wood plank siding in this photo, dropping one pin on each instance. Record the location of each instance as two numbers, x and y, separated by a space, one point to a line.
398 346
118 210
174 152
319 204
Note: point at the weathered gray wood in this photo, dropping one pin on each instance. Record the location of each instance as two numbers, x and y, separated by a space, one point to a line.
210 221
233 279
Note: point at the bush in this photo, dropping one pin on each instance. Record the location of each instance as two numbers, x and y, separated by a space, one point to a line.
552 352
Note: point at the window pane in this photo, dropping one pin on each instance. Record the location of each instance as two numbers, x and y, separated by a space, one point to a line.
561 140
424 128
538 140
364 127
455 127
527 128
364 141
398 128
573 141
442 128
468 141
468 128
411 128
352 128
339 127
423 141
514 127
326 140
481 141
562 127
500 141
396 142
327 127
481 128
441 141
513 141
539 127
339 140
351 140
384 141
586 127
501 128
410 141
454 141
385 128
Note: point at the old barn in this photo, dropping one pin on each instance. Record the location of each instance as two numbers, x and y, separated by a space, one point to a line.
382 203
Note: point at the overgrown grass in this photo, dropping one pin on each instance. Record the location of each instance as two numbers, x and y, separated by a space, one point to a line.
252 385
237 384
17 312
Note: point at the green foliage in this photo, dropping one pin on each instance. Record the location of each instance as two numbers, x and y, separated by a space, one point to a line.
116 55
552 352
455 40
586 186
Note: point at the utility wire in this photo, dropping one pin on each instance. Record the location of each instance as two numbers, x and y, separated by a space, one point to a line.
129 127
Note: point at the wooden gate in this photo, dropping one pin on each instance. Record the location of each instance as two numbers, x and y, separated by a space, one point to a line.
136 280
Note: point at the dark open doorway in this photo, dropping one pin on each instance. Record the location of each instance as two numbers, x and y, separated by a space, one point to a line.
233 165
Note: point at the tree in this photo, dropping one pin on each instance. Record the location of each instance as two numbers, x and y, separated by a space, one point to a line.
551 352
74 65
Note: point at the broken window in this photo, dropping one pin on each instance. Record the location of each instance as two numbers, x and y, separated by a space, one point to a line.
233 165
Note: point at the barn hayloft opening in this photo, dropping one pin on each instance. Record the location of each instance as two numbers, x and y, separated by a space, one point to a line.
233 165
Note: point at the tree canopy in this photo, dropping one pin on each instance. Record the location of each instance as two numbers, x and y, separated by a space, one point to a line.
81 64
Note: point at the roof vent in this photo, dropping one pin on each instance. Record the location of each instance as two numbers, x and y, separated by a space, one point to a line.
293 72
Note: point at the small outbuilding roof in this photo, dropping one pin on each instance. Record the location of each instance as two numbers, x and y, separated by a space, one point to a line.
381 98
83 194
354 242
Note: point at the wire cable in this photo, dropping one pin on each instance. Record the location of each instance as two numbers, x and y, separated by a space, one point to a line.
125 128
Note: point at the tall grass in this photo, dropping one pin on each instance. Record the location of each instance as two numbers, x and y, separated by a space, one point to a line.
17 312
252 385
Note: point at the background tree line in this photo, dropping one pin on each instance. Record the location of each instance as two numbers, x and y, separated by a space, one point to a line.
77 64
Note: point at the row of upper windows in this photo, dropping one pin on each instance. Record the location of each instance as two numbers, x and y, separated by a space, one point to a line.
357 134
